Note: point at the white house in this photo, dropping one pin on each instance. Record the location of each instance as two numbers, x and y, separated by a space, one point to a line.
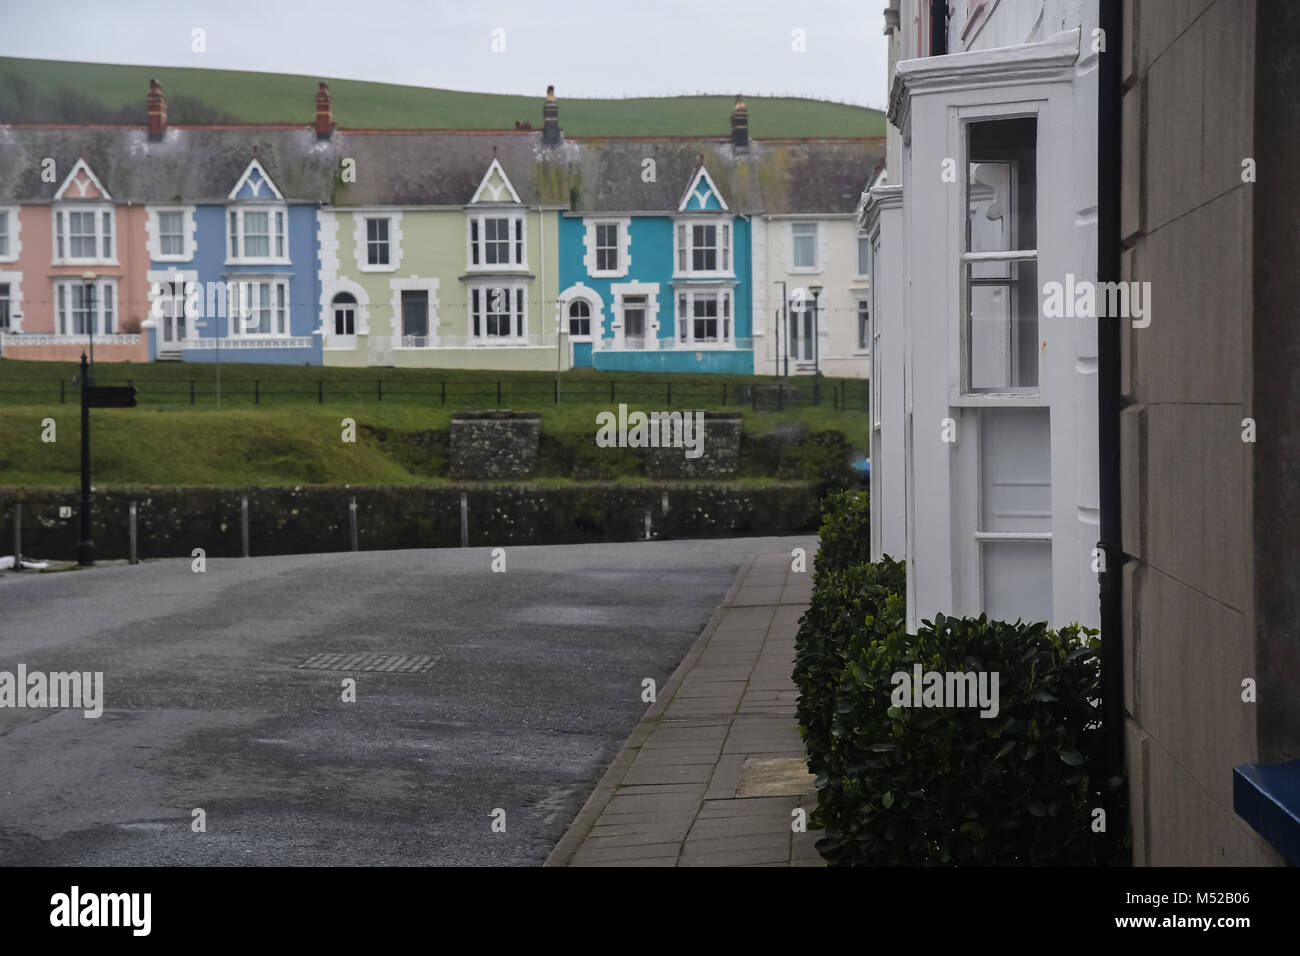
984 452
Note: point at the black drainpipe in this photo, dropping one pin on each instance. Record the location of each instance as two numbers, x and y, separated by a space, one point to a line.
1109 403
938 27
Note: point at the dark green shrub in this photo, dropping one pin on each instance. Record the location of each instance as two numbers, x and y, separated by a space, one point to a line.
844 538
847 603
823 459
944 785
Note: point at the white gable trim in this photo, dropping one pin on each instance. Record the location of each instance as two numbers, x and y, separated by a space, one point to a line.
81 164
496 197
255 165
701 173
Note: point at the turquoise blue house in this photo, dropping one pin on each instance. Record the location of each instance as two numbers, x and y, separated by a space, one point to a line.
254 264
665 291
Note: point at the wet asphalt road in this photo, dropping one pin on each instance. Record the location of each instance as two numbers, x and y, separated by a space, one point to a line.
535 684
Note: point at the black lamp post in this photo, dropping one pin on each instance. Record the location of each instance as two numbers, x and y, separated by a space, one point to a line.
85 547
88 303
816 290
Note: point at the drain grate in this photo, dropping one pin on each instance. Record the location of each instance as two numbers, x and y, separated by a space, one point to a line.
392 663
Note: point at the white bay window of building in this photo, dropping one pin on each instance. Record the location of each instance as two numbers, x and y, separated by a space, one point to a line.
264 308
4 234
496 240
86 308
804 238
497 312
5 300
1000 261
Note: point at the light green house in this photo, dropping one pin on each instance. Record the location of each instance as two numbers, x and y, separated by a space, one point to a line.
472 285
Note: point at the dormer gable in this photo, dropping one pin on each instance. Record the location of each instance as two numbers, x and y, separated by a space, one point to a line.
82 183
255 184
496 187
702 194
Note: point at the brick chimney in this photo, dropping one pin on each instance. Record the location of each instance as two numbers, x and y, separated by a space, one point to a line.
156 105
324 112
550 119
740 124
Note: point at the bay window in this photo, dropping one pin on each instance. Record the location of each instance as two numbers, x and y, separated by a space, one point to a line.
262 309
498 313
704 317
85 308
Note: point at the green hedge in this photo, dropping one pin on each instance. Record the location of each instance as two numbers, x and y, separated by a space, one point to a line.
942 785
844 538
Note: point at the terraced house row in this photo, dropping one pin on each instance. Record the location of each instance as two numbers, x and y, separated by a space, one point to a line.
497 249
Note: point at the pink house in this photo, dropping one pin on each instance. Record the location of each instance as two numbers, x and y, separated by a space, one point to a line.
71 267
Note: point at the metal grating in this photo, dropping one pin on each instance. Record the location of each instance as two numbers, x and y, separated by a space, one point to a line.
389 663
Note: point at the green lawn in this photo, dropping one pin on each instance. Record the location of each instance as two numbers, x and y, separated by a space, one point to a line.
291 438
55 91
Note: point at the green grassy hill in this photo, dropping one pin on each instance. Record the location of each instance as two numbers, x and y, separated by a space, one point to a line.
51 91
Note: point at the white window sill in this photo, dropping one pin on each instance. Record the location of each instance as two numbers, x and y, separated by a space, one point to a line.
705 276
615 274
370 268
806 270
499 268
78 262
259 262
173 257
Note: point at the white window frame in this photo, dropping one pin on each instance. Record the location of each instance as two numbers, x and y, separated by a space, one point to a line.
61 226
517 295
361 241
13 245
153 228
63 310
15 282
274 237
597 305
863 246
684 248
816 266
726 317
593 319
241 312
476 240
860 331
623 247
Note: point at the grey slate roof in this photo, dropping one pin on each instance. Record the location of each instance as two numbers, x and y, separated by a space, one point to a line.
439 167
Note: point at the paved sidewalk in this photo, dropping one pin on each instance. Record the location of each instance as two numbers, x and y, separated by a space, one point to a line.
712 774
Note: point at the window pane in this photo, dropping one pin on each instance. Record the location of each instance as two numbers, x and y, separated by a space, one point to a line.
805 245
257 241
108 235
862 255
1003 329
415 313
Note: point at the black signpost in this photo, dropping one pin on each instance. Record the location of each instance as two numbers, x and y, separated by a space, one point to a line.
94 396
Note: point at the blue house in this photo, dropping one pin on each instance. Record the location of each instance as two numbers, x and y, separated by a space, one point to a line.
664 291
240 277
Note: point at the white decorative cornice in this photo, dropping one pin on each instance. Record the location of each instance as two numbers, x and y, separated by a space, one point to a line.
876 199
1045 61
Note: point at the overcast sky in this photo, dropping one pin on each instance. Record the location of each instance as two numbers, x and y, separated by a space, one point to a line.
584 47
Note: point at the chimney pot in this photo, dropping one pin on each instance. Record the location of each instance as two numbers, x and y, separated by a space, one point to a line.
324 112
551 119
740 124
156 109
